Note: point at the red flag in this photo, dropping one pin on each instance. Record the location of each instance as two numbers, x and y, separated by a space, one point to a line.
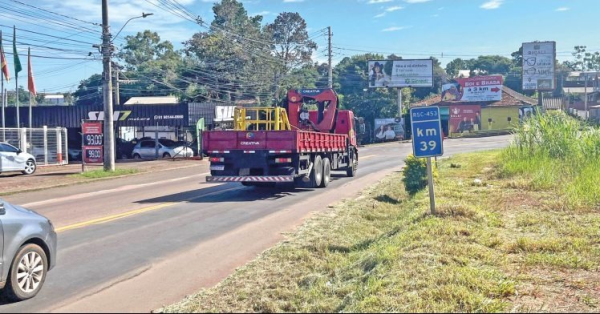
3 61
31 82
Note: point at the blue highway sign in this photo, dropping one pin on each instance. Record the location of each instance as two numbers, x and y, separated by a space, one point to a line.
428 140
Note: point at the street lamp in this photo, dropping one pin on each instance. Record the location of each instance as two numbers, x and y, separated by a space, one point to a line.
144 15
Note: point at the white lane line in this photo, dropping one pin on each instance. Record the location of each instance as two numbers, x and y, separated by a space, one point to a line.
103 192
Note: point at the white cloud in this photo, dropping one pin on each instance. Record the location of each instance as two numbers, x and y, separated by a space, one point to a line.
562 9
380 15
379 1
292 1
416 1
492 5
396 8
394 28
263 13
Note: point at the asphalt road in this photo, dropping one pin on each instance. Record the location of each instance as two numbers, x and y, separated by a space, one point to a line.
136 244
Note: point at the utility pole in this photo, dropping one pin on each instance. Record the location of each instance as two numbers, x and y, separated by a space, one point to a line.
117 86
109 135
330 59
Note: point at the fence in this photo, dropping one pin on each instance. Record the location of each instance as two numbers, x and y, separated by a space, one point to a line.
49 146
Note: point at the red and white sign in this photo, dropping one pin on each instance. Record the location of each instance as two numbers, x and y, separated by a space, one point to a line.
481 88
465 118
93 142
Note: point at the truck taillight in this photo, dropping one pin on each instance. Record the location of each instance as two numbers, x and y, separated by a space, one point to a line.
283 160
217 159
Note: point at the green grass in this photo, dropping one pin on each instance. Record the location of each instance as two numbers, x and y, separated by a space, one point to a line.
101 174
556 152
490 248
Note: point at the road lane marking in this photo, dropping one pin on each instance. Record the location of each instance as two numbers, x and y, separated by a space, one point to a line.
136 212
103 192
367 157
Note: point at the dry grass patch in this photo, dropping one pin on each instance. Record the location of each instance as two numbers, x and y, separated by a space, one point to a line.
489 249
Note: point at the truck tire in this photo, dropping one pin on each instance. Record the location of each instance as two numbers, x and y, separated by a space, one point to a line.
316 175
353 167
326 173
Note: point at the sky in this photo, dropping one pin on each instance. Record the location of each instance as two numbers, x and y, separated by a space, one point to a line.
61 32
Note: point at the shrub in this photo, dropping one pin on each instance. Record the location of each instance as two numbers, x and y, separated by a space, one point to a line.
415 174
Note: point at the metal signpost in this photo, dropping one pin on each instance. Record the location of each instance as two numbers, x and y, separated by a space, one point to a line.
428 140
93 143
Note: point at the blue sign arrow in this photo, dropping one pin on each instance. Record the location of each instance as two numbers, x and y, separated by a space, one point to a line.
428 137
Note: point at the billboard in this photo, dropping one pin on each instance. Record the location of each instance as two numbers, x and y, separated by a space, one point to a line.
539 66
475 89
465 118
389 129
401 73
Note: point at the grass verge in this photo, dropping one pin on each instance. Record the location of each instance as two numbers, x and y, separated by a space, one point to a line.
490 248
101 174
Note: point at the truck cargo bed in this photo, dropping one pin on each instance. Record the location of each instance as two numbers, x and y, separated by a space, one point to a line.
296 141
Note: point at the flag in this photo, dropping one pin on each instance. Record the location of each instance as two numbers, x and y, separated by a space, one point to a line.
3 63
31 82
18 67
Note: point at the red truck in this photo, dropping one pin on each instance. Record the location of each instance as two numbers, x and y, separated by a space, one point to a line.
289 144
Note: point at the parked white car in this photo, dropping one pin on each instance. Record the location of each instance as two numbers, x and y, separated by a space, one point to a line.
166 149
13 159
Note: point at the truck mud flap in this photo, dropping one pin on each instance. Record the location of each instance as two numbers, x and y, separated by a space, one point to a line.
266 179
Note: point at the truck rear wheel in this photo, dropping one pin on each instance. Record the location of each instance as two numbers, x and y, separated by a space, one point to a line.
326 173
316 175
352 168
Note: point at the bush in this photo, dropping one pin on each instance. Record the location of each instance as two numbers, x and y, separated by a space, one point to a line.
415 174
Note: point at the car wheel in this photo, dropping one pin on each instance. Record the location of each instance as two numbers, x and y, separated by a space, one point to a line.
166 155
30 167
27 273
137 156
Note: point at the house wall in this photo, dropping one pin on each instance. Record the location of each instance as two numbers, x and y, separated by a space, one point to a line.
499 117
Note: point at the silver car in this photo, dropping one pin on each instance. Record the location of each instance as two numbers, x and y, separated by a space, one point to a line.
166 149
29 251
13 159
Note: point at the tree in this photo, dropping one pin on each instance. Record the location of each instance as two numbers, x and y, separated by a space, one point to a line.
485 65
454 66
89 91
232 60
152 64
290 41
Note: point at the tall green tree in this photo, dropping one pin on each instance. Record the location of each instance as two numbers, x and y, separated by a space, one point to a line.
233 59
290 39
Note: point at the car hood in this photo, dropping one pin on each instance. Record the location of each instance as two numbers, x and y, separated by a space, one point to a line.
22 210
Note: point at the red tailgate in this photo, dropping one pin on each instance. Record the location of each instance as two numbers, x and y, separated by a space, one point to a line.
250 140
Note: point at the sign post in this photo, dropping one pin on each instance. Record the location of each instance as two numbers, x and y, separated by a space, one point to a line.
93 142
428 140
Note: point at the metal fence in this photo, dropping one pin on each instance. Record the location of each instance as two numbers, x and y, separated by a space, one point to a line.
49 146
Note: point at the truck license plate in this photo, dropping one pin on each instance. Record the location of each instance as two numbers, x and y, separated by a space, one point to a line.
217 168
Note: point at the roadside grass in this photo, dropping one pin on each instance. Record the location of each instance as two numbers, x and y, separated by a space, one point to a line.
101 174
491 248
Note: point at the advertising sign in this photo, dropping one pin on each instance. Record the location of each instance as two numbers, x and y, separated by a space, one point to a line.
476 89
427 132
465 118
389 129
538 66
93 142
401 73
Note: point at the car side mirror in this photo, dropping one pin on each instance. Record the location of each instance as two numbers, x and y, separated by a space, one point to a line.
2 209
19 152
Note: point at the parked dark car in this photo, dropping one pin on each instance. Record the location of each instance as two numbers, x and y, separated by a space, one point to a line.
124 148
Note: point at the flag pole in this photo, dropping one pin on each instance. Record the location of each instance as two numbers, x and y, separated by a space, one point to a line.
30 78
2 91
